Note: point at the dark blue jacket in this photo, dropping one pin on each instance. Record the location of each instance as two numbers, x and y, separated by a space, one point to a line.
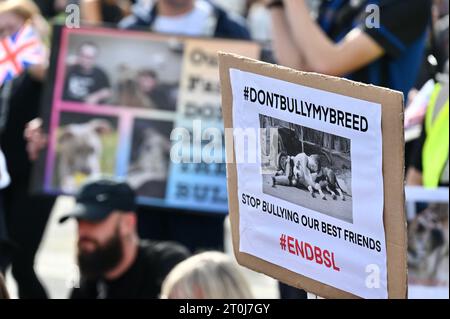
402 34
227 26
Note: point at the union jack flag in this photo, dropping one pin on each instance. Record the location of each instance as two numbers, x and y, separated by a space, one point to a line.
19 51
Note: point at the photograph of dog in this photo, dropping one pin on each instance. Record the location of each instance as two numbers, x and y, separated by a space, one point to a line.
150 155
428 246
143 89
86 148
327 180
306 167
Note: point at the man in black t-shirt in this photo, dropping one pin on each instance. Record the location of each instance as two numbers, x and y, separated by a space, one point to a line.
113 262
84 81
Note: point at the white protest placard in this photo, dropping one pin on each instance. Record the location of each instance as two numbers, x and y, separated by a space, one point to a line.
306 181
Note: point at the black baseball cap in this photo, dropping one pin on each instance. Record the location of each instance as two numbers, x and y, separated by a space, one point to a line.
97 199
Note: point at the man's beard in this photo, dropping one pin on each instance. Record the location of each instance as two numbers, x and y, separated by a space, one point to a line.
103 259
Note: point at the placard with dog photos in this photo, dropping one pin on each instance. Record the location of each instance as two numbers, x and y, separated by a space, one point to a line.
135 105
427 211
315 179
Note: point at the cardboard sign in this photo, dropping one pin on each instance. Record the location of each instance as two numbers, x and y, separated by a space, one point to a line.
114 103
315 179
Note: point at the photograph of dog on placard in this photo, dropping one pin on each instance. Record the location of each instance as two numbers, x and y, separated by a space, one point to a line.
133 72
428 247
85 149
148 167
306 167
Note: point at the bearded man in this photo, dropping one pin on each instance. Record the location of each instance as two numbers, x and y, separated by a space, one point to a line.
113 261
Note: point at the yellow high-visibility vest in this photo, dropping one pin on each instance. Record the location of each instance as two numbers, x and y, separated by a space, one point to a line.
435 148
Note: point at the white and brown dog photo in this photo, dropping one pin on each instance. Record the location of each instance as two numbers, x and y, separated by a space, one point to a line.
80 152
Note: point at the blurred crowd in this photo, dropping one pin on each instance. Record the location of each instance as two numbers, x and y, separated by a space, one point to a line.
126 250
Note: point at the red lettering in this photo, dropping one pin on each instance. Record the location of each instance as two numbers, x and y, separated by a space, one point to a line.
299 249
309 249
334 263
291 245
326 258
318 253
312 253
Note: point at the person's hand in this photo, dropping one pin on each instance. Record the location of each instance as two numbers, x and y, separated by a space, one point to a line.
35 137
92 99
411 96
99 96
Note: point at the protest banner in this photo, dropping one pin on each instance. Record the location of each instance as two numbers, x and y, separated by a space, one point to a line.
112 103
315 179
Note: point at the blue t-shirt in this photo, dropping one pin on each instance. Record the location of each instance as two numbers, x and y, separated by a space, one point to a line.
402 32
